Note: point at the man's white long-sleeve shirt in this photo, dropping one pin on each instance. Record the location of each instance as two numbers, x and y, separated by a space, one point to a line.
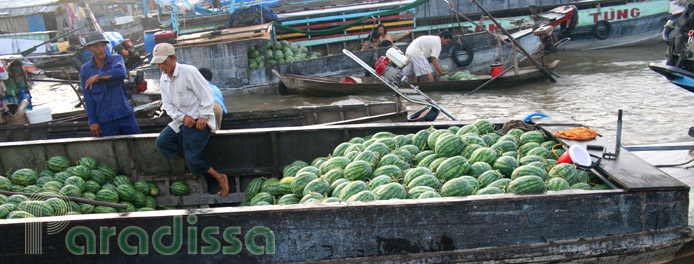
187 93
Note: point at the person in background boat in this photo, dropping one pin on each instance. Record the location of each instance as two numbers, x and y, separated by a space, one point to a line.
188 100
384 35
420 51
108 110
372 41
219 106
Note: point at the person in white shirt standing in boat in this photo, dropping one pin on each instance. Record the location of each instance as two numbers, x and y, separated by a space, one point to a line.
188 100
420 51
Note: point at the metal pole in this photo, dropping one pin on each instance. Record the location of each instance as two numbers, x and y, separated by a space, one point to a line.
462 30
537 64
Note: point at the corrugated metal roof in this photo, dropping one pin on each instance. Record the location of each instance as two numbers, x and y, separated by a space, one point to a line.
27 11
9 4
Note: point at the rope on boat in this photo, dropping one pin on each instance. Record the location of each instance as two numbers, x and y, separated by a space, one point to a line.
673 165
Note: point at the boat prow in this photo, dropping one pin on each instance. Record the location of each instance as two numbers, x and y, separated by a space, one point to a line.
681 77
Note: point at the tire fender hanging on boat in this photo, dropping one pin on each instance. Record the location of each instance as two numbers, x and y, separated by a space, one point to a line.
467 60
566 30
602 29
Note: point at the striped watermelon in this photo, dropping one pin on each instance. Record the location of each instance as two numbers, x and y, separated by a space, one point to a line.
453 129
363 196
331 200
431 141
425 180
402 140
415 192
472 139
89 195
76 181
504 146
340 149
517 133
414 173
121 179
317 185
526 170
566 171
5 184
540 151
16 199
153 189
337 189
383 134
271 186
489 140
581 185
510 154
525 148
263 197
126 192
288 199
538 164
505 165
290 171
317 162
98 176
489 190
467 129
404 155
434 166
502 184
368 156
58 163
530 158
388 159
353 188
70 190
351 155
484 126
392 191
356 140
412 149
150 202
448 145
426 161
88 162
420 139
42 180
36 208
299 163
421 155
368 142
532 136
24 177
429 194
335 174
286 185
17 188
478 168
142 186
19 214
104 210
390 170
474 183
91 186
453 167
489 177
487 155
309 200
140 200
108 186
509 138
380 180
254 187
456 187
60 207
550 144
527 185
310 169
391 143
130 207
469 149
379 148
582 176
145 209
107 195
178 188
557 184
109 171
32 189
300 181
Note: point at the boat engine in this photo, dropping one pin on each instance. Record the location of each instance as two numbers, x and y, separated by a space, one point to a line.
126 49
389 66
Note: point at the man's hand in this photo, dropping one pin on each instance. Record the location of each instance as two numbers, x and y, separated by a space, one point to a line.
92 80
188 121
443 73
201 123
95 129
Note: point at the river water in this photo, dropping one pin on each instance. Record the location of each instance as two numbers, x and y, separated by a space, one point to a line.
592 87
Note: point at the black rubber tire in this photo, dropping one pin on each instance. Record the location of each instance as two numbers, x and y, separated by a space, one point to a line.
602 29
470 55
567 30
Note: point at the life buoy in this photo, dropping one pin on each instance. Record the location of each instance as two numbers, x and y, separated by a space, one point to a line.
565 29
602 29
462 56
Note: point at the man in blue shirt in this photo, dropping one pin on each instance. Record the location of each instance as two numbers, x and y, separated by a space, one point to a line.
103 87
219 106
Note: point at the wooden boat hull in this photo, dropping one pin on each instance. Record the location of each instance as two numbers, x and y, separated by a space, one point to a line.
340 114
333 86
644 221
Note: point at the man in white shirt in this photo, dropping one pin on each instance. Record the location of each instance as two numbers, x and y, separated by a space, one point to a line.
420 51
188 100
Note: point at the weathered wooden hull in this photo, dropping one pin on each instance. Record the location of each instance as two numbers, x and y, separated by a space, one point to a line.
333 86
645 221
345 114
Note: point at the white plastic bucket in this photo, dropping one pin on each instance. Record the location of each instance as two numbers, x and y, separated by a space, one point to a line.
39 115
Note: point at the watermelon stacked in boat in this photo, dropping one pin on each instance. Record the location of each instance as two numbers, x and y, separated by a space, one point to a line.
87 179
474 159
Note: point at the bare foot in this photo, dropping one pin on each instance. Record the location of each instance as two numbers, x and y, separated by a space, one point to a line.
223 185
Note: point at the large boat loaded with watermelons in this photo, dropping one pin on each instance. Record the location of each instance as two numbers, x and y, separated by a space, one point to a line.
403 192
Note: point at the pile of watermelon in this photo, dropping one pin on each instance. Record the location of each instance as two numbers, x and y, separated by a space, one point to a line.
279 52
457 161
458 76
86 179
